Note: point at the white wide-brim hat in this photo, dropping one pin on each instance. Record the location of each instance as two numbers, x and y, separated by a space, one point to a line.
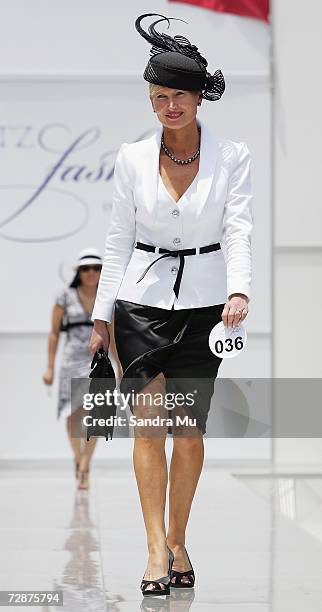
88 257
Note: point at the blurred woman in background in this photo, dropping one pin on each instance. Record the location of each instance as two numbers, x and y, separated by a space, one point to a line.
72 313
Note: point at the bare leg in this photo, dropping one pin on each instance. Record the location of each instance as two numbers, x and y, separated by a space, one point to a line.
86 455
185 469
88 447
74 442
151 473
83 449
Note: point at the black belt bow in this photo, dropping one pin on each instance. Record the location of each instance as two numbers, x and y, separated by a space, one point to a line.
177 253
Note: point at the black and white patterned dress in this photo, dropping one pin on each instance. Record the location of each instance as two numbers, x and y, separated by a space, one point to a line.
76 357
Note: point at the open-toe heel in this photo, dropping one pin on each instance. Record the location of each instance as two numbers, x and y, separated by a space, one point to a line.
178 584
157 589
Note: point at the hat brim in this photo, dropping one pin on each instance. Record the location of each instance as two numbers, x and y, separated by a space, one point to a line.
88 262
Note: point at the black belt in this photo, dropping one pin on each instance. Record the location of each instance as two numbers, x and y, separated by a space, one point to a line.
180 252
66 326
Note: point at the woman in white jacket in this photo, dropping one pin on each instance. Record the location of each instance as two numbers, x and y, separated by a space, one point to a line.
177 261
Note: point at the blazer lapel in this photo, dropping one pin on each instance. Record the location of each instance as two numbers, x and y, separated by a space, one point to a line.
207 165
150 160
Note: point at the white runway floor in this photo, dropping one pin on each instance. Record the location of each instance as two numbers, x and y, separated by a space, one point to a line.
255 541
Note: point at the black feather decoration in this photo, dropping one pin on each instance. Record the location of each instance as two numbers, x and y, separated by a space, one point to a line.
164 42
215 86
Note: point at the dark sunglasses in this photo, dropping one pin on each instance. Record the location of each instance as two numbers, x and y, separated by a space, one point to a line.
95 268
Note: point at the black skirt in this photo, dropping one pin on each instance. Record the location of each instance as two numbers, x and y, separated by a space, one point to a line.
150 340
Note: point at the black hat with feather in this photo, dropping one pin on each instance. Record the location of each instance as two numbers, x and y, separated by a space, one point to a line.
176 63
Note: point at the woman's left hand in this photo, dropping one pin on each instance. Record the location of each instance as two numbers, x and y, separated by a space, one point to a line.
235 310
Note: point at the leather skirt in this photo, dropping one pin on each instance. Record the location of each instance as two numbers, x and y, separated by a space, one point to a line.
150 340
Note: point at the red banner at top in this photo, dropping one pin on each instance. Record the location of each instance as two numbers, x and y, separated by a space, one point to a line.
250 8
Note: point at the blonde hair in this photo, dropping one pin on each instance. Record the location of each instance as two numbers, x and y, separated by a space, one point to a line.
153 88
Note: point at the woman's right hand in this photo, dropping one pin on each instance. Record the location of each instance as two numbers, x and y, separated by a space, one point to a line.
100 337
48 377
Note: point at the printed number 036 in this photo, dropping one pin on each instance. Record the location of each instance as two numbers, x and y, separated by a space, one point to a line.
229 345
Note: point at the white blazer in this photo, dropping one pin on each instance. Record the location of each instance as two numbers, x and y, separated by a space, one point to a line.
220 210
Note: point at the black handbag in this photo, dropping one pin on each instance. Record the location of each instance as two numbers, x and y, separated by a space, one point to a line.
102 380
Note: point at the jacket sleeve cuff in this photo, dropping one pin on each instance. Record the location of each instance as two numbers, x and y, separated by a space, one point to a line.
103 312
245 290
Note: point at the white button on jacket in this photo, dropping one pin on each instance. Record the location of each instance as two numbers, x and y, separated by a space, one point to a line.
219 209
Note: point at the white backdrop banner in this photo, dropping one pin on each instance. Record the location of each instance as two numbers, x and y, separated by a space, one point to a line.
58 142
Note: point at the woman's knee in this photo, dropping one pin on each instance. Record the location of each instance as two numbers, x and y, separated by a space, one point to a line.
150 444
183 444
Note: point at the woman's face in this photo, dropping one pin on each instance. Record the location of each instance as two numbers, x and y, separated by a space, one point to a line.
89 275
175 108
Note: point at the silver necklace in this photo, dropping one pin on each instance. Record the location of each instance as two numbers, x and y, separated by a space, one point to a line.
181 161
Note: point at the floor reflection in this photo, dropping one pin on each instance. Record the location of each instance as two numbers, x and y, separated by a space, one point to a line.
179 600
81 580
255 540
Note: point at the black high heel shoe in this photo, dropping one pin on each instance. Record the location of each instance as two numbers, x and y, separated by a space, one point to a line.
158 590
179 575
